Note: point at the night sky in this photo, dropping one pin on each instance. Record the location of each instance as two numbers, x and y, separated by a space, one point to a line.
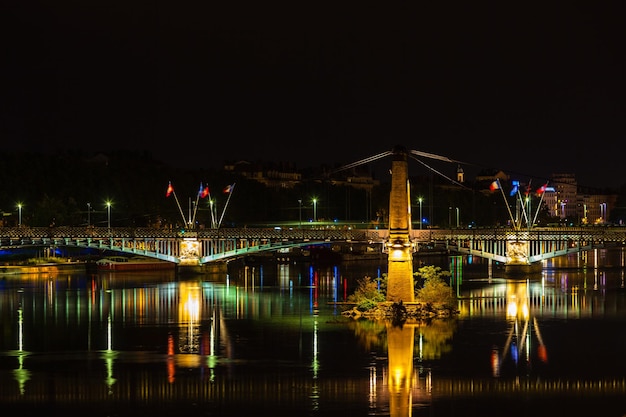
513 86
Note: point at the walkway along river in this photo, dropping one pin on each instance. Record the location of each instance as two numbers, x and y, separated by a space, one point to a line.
269 337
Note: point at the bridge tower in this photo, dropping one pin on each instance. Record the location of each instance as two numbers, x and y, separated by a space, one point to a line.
400 286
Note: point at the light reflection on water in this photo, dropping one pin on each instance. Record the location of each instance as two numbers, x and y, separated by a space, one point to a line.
271 336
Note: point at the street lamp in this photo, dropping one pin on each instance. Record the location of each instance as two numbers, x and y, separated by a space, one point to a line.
88 214
457 217
315 209
19 214
421 218
108 203
300 208
603 212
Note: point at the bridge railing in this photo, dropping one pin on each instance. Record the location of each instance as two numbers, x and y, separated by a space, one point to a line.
65 232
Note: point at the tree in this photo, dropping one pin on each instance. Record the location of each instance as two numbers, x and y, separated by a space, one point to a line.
433 288
430 288
367 294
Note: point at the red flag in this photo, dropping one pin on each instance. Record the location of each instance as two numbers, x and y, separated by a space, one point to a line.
494 186
228 189
170 189
542 189
204 191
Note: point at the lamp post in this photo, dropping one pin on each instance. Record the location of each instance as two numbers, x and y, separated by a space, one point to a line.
300 213
88 214
603 212
457 217
421 218
108 214
19 214
315 209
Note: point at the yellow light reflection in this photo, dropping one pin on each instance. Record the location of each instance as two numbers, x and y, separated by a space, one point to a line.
400 346
189 313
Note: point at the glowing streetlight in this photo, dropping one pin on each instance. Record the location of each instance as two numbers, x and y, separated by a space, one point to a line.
88 214
421 218
212 214
300 218
315 209
19 214
108 203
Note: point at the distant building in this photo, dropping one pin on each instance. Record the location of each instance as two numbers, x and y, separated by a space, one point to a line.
577 208
272 175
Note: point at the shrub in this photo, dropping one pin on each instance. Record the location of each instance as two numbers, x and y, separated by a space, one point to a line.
434 290
366 295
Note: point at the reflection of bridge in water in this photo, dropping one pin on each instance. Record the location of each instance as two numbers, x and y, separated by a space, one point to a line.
195 368
143 389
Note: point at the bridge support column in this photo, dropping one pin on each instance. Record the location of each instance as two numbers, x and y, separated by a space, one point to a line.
400 285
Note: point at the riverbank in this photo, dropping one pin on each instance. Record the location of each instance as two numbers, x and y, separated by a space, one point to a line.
48 267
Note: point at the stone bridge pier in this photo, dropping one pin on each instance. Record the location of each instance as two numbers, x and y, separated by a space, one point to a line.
400 248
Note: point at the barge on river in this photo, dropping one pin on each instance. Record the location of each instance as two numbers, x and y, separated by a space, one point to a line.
122 263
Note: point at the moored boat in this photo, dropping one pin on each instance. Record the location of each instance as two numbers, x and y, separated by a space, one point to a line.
122 263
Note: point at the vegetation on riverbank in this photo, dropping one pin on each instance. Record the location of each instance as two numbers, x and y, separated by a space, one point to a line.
433 297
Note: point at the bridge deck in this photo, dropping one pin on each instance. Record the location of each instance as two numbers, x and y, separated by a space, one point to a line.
209 245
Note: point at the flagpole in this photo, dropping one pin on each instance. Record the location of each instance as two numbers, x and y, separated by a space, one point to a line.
195 209
539 205
212 207
230 193
522 205
179 207
505 202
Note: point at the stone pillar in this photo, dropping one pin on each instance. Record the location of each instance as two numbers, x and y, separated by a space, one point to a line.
399 246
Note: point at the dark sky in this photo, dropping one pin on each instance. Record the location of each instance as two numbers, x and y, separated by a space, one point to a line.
531 90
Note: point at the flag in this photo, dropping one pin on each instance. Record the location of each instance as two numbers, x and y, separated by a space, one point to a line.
542 189
203 191
228 188
170 189
514 189
494 186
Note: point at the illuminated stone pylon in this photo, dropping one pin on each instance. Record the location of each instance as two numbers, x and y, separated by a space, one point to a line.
399 246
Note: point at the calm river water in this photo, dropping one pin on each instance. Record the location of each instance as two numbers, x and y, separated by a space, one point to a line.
270 339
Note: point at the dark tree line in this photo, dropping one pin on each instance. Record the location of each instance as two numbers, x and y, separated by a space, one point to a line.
72 188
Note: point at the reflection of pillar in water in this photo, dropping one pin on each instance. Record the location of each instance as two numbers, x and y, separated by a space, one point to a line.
189 316
171 366
400 344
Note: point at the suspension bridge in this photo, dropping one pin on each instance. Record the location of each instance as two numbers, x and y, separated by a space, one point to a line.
514 247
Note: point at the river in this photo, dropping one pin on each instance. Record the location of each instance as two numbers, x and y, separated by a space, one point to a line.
269 338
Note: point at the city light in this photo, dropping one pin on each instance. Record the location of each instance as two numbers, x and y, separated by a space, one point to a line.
19 215
421 218
315 209
300 213
108 203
